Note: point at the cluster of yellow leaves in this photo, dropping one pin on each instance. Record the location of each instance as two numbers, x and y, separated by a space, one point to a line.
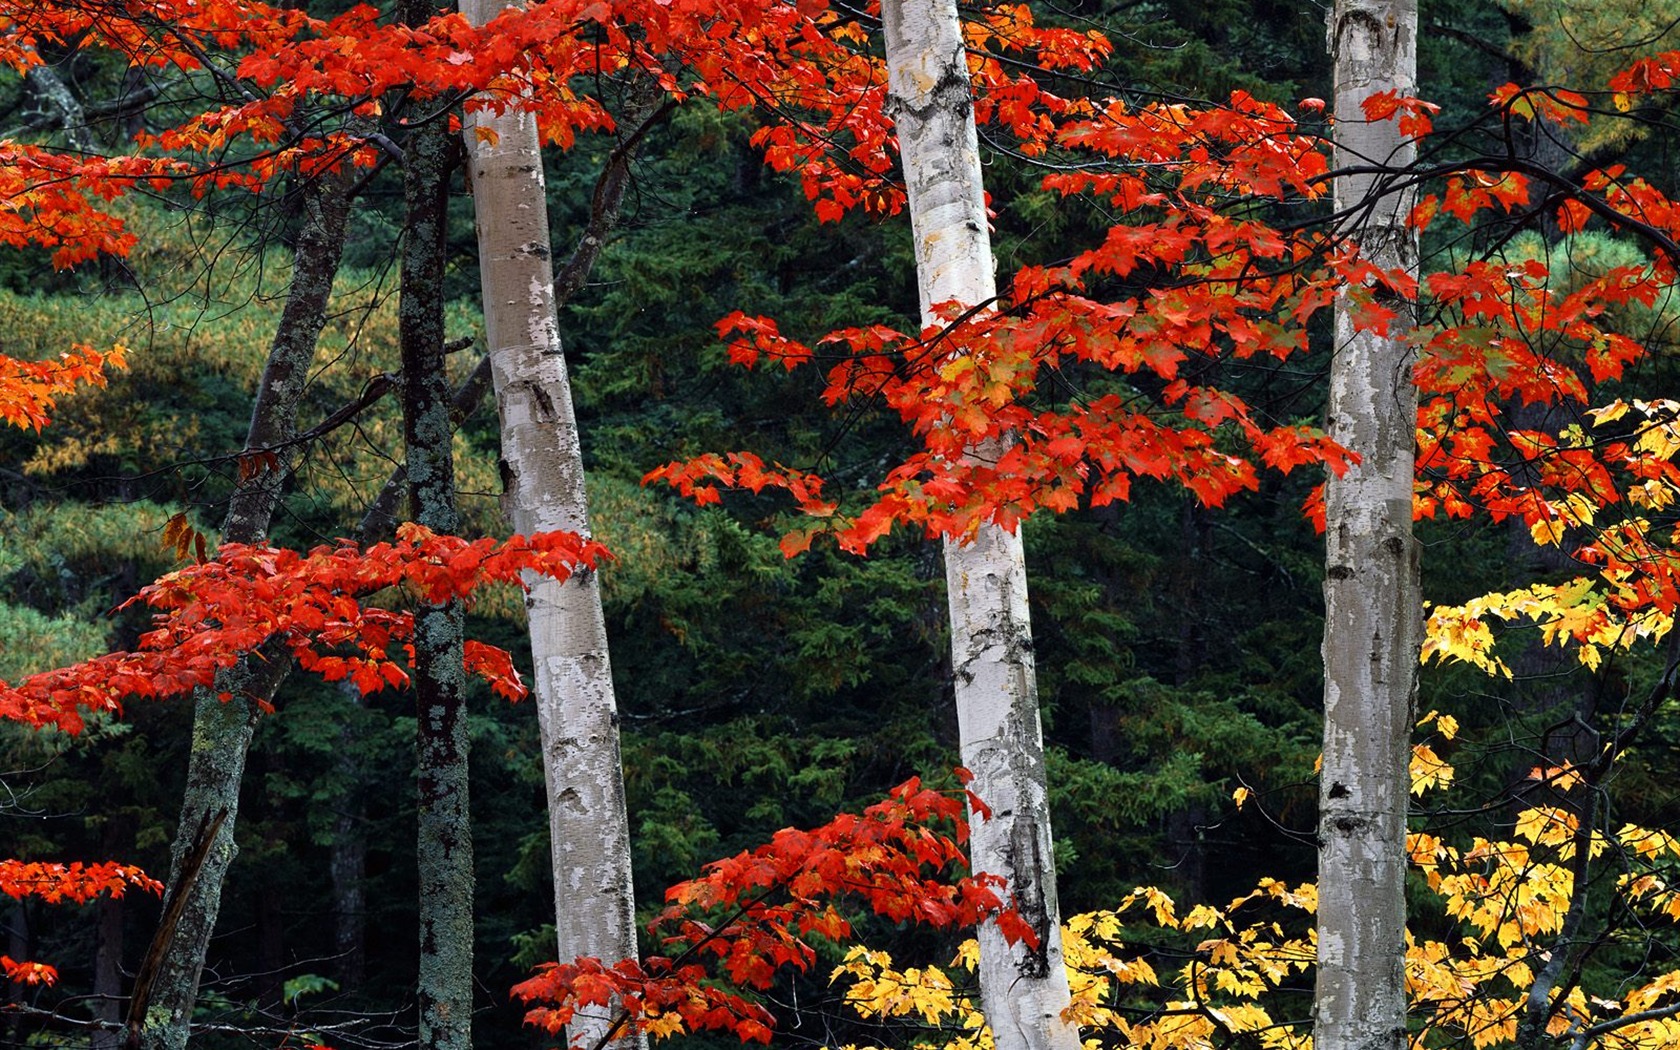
1507 898
1428 770
1660 430
1510 899
1577 612
880 991
1115 986
1648 886
1513 897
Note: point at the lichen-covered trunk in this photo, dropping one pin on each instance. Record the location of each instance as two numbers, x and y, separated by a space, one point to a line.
1023 991
1373 619
444 840
222 729
542 469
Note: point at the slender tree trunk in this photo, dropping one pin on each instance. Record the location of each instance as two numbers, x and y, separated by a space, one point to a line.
445 831
1023 991
270 988
347 862
222 729
116 840
1373 623
107 973
542 469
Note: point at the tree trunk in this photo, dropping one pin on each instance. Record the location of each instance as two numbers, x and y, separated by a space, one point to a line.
270 989
107 973
347 862
222 730
53 94
542 469
116 840
445 832
1023 991
1373 623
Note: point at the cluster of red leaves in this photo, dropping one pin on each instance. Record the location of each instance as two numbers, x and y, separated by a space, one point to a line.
43 203
1218 286
1206 286
1648 75
1554 104
30 389
1413 116
27 972
312 605
75 882
752 914
1511 337
795 59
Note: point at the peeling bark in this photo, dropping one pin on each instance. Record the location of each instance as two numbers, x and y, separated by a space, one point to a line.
222 730
1023 991
1373 624
542 469
444 840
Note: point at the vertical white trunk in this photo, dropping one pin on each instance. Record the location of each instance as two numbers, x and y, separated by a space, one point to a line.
542 469
1023 991
1373 611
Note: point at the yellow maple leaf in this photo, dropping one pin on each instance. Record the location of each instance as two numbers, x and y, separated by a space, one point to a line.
1428 770
1547 532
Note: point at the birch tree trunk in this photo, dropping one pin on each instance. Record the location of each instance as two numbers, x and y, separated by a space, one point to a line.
1373 622
1023 991
222 729
543 478
444 842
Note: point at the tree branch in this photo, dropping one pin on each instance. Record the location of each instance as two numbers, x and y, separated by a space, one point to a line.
381 515
1585 1035
605 205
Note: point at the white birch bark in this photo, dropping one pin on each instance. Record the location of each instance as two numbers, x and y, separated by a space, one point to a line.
542 469
1373 621
1023 991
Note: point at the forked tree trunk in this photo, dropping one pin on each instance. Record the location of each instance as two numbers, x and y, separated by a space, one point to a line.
1023 991
542 468
1373 622
444 842
222 729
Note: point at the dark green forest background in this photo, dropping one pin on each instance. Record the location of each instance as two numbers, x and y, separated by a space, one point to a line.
1177 646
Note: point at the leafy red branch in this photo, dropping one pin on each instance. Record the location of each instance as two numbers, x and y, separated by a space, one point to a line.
55 883
75 882
735 928
314 605
30 389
